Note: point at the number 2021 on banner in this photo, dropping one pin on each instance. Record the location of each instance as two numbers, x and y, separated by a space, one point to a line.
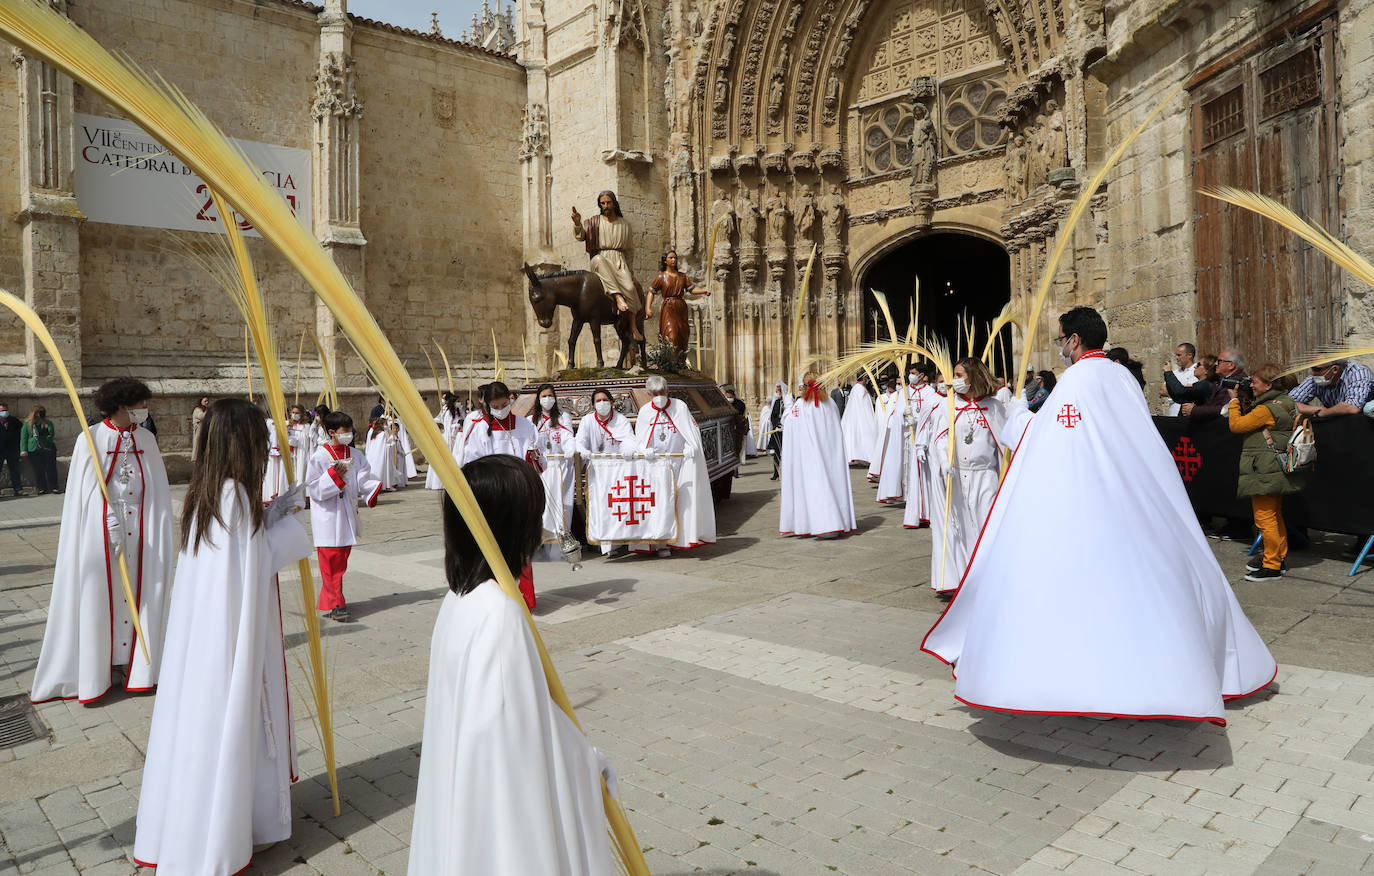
208 212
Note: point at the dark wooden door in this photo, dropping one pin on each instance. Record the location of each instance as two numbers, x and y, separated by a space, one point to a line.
1268 124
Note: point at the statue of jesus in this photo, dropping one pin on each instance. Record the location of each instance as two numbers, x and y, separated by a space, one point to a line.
607 236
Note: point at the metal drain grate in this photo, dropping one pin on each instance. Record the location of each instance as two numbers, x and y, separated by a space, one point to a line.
19 723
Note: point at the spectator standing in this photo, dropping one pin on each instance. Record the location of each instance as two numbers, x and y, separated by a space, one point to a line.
1264 415
10 429
38 442
1334 390
1043 384
839 395
1122 357
1185 357
1205 385
1230 364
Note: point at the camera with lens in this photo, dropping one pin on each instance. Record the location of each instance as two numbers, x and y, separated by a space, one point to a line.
1241 384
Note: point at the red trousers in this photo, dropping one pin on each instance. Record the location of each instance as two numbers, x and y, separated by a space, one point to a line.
527 585
333 564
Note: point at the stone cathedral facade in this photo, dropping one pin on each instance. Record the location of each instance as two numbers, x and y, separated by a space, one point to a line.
900 140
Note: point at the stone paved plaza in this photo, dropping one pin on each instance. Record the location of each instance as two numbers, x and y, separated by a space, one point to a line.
766 707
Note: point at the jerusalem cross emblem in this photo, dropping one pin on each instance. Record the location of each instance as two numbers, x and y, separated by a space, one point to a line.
630 500
1069 416
1187 458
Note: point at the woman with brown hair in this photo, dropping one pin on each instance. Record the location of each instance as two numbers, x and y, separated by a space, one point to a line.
220 758
674 286
1265 416
38 442
970 476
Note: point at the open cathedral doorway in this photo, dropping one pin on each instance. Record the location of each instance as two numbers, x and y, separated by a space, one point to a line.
961 277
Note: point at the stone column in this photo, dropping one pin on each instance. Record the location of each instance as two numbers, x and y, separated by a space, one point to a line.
537 169
48 212
336 110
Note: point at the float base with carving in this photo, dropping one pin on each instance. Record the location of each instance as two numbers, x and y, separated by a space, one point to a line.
722 432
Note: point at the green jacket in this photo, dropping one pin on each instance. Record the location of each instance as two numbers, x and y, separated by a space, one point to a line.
1260 472
40 438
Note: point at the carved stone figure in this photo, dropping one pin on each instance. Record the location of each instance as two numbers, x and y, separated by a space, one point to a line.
832 218
722 90
778 219
727 46
749 216
806 213
923 150
722 209
832 91
1014 169
534 139
775 92
684 201
1056 142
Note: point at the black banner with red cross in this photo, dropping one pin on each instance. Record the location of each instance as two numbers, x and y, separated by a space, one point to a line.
1338 488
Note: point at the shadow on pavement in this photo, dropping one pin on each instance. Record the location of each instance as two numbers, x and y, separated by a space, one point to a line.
1125 744
600 592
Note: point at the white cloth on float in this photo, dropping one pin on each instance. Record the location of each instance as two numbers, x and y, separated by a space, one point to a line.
1093 590
610 436
507 784
859 424
817 498
971 481
220 756
89 628
673 430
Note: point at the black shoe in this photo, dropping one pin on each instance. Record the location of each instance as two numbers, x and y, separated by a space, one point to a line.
339 614
1263 574
1253 565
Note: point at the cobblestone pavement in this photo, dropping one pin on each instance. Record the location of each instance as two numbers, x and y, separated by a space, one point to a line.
766 707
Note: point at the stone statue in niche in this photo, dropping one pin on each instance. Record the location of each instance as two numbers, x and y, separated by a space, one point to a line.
832 218
832 91
684 196
775 93
722 212
778 219
923 148
1014 169
722 90
1056 142
806 214
749 216
727 46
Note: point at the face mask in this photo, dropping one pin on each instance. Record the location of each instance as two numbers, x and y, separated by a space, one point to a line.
913 379
1065 357
344 437
500 413
295 418
4 415
603 409
960 385
547 402
940 386
1321 381
661 402
138 415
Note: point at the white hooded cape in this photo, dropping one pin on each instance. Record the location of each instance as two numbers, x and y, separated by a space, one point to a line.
220 759
448 427
817 498
696 510
87 630
507 785
882 413
859 424
1092 590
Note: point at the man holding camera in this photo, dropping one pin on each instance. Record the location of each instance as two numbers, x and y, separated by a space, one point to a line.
1334 390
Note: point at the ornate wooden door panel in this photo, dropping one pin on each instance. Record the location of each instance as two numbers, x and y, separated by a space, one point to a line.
1268 124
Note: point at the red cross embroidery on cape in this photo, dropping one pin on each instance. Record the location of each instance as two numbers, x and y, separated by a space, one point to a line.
630 500
1069 416
1187 458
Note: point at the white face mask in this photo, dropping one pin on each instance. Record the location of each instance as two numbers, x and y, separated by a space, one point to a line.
661 402
603 409
1321 380
913 379
500 413
138 415
960 385
1064 356
547 402
941 387
295 418
344 437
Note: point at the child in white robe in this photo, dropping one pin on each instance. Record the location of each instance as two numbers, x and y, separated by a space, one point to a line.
89 628
335 480
381 455
220 758
972 479
507 784
555 439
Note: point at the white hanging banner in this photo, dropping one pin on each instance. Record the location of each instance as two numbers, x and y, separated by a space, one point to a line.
125 177
631 502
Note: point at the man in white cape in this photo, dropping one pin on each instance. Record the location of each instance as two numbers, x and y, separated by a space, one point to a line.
859 423
222 720
1091 590
665 426
89 628
817 498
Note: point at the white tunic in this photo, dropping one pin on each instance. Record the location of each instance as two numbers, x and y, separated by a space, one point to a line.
817 498
384 458
460 441
514 436
450 426
274 483
859 424
1093 590
614 238
920 485
882 413
671 431
334 504
89 627
971 481
220 758
555 439
507 785
611 436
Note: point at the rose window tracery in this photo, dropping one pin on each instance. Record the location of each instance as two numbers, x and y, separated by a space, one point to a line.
969 122
887 137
